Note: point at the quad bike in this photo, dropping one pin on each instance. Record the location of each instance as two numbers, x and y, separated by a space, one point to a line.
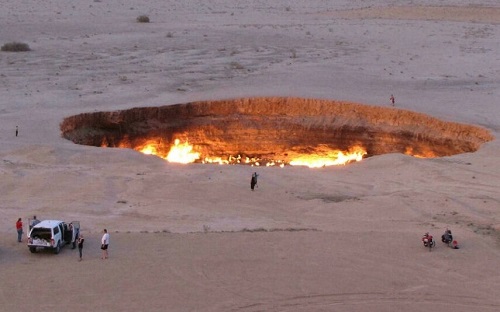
428 241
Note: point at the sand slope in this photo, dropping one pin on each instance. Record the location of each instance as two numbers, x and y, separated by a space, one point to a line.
195 238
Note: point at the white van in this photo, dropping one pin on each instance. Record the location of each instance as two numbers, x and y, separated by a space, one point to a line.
53 234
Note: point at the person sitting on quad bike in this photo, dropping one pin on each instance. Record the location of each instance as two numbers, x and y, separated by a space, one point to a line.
447 238
427 240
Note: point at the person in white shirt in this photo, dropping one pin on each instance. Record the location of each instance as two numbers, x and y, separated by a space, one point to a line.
105 244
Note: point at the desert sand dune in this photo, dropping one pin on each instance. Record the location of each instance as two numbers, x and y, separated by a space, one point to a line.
195 237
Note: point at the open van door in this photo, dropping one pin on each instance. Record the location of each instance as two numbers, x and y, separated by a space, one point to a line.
76 233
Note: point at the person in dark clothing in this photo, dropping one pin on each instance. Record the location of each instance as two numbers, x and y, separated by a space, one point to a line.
447 237
34 222
253 181
80 246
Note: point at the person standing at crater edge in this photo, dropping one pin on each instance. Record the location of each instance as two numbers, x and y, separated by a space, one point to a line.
253 181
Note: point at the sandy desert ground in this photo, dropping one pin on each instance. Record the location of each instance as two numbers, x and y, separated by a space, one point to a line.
195 238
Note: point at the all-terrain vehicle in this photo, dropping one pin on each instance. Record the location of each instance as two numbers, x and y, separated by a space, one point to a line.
428 241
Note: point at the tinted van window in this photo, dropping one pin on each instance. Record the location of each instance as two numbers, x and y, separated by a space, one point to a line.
41 232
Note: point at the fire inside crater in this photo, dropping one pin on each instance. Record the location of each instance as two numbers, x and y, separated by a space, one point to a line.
273 131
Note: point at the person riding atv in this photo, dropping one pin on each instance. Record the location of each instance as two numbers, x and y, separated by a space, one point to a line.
447 237
427 240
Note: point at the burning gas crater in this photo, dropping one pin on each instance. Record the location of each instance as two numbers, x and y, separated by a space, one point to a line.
273 131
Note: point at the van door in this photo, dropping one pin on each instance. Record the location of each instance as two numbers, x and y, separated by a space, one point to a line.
76 232
63 234
56 231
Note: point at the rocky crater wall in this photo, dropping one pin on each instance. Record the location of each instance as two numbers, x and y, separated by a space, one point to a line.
275 128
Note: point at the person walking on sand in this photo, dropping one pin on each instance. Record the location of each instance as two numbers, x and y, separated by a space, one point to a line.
105 244
19 228
392 99
80 246
253 181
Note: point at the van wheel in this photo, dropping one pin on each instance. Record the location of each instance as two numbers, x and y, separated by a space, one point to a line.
58 248
33 249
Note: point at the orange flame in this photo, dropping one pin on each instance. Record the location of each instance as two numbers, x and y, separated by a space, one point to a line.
332 158
424 154
183 153
149 149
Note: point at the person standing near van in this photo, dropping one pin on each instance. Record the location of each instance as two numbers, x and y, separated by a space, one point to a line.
105 244
34 222
19 228
80 245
